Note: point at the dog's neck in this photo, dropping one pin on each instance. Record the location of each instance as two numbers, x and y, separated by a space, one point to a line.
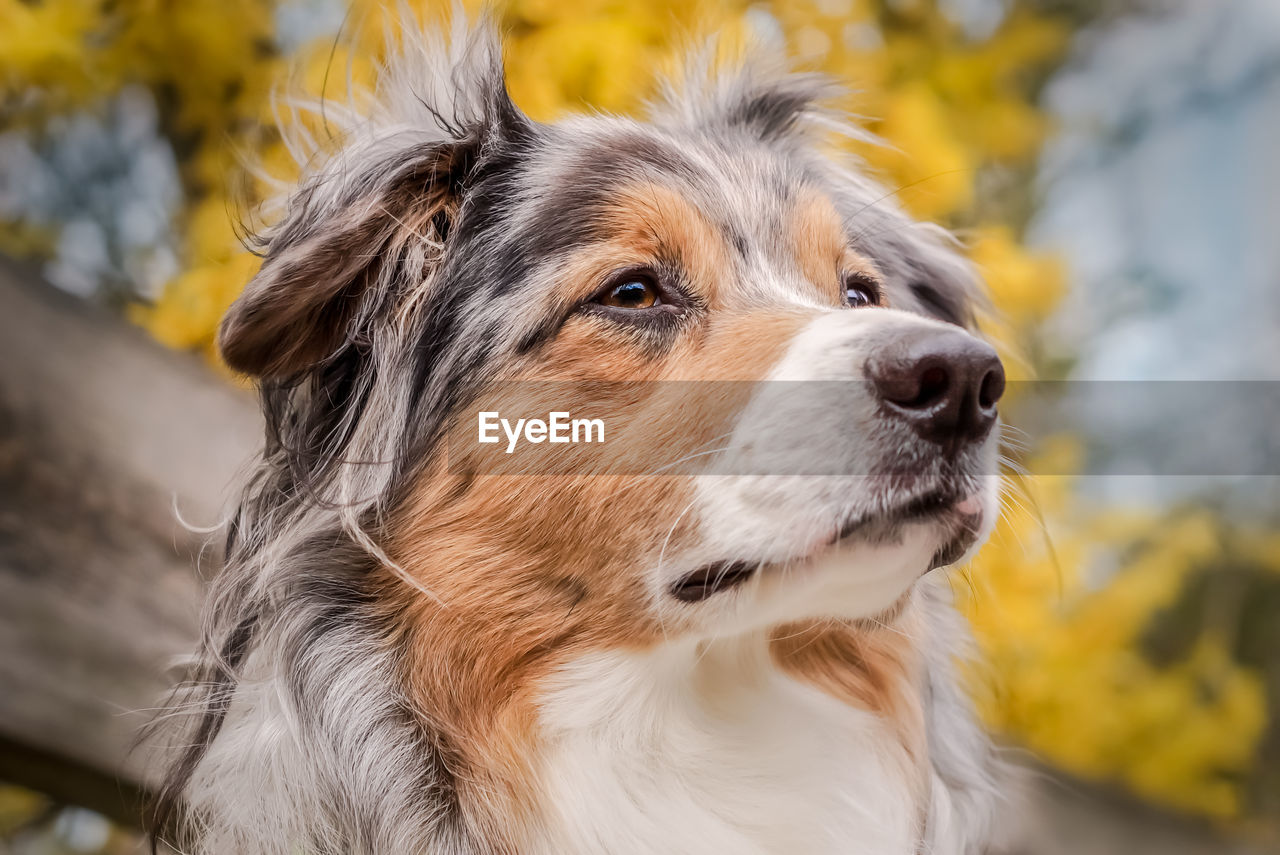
798 738
755 744
804 739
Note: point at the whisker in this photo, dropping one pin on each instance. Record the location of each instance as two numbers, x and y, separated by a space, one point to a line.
662 553
689 457
869 205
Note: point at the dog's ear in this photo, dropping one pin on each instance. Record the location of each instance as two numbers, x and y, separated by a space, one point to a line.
378 212
319 262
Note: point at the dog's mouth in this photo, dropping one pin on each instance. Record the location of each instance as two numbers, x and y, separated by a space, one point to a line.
961 511
711 579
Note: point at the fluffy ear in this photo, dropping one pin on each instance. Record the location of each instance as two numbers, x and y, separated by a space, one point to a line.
375 217
320 262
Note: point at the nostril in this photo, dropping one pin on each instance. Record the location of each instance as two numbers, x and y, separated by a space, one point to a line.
934 381
913 384
991 388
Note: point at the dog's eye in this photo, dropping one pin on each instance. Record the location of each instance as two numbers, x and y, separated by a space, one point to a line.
861 290
639 297
636 290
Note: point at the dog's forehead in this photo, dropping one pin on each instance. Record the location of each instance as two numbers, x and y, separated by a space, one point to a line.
745 189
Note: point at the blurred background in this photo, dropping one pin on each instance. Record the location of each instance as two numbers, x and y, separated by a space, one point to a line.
1112 166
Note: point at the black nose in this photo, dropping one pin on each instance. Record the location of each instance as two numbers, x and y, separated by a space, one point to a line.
944 383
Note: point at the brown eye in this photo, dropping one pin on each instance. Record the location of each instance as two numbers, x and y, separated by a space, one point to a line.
637 291
861 290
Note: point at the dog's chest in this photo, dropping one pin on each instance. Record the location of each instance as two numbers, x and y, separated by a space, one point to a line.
641 756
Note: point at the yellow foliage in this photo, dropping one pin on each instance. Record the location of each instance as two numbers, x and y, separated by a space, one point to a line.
43 45
1063 667
943 107
219 71
561 64
933 169
1025 288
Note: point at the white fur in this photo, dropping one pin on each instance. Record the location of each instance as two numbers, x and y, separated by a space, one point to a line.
704 748
762 513
703 745
698 749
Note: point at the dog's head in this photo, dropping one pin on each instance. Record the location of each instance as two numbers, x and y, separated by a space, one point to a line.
798 425
799 345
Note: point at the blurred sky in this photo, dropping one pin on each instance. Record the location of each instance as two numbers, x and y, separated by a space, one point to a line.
1162 189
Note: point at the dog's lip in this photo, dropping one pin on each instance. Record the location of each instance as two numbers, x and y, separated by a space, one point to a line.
711 579
930 504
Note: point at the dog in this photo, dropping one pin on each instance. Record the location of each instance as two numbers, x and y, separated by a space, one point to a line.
411 649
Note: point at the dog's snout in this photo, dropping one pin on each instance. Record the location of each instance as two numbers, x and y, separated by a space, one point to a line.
944 383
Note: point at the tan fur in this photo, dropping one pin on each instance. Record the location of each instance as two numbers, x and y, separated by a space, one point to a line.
876 669
821 248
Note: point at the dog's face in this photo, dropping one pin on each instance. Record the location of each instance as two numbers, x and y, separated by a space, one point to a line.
778 328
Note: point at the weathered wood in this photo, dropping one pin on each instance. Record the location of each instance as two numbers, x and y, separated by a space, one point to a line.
102 434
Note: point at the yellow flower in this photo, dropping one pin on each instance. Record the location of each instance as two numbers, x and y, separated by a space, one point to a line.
925 159
1024 287
44 43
